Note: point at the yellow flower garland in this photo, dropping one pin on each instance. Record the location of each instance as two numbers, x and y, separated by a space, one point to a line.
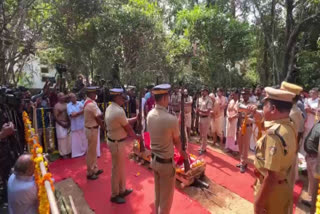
33 140
318 201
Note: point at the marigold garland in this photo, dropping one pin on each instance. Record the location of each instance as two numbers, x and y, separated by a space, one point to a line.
318 201
36 150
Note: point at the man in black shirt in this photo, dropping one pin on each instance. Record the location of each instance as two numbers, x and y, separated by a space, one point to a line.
311 148
6 160
132 102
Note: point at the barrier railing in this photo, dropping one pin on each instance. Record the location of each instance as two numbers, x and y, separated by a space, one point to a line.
46 196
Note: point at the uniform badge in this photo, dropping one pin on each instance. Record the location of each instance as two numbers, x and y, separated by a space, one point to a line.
273 150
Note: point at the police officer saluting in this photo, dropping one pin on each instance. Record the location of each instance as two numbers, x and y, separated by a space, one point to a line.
92 121
118 129
165 134
275 154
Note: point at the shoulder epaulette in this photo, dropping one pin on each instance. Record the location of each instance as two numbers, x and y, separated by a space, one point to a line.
274 130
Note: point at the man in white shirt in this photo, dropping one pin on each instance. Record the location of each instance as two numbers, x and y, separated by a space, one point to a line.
311 106
252 98
22 189
79 142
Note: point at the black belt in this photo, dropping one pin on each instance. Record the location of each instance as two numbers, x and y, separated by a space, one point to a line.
113 141
161 160
94 127
204 116
249 125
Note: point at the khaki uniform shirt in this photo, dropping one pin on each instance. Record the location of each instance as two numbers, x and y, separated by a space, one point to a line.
163 127
91 111
205 104
243 114
175 102
116 120
297 119
276 150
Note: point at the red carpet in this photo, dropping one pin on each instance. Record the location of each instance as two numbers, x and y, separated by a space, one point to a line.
221 170
98 192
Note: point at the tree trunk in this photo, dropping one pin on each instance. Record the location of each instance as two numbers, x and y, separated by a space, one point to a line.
275 72
233 8
264 74
3 79
289 39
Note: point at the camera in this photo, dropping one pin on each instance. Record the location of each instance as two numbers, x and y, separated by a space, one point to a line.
61 68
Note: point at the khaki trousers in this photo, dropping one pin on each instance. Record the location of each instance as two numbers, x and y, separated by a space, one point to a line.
92 136
244 144
278 201
204 129
292 181
164 183
118 176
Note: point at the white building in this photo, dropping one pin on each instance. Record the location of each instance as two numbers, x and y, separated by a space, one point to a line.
36 74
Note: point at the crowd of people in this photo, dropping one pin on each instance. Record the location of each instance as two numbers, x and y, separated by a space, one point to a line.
278 121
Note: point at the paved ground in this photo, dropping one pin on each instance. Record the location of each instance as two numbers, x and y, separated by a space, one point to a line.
68 188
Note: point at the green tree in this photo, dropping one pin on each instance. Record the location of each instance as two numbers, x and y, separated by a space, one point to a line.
219 42
21 26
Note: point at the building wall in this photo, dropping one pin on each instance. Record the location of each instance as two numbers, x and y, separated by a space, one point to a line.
38 73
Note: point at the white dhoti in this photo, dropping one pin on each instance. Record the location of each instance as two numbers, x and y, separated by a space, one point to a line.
79 143
231 135
63 140
217 126
253 139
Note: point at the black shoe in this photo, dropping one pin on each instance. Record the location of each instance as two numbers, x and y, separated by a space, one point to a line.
118 200
92 177
239 165
126 193
227 150
243 168
306 203
100 171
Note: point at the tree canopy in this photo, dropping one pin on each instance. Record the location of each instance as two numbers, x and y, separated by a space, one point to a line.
227 43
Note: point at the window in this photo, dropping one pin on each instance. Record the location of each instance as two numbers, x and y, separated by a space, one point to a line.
44 70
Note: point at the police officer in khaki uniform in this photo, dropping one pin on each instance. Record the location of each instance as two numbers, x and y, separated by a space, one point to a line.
175 101
296 117
296 114
204 108
165 134
275 154
245 131
118 129
92 121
